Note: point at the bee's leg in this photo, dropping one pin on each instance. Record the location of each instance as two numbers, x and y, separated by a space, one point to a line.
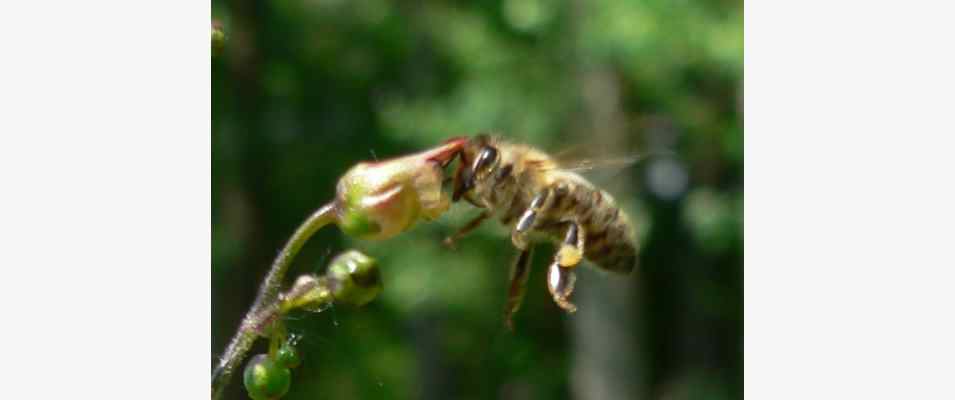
520 271
561 276
572 248
466 229
527 220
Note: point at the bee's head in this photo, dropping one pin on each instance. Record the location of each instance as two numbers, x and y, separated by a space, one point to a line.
479 158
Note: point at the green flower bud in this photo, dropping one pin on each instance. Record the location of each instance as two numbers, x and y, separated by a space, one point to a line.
354 278
287 356
264 379
378 200
309 293
218 38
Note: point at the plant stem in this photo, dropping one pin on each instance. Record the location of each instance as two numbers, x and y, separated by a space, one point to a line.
265 306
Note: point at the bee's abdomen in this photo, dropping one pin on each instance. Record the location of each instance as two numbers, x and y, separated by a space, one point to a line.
617 256
610 242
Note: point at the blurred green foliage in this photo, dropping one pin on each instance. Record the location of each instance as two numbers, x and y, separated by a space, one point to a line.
302 90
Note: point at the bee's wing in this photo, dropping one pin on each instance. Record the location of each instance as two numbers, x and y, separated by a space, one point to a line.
603 170
584 158
607 163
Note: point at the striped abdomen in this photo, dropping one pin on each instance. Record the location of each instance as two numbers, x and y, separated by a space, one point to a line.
609 242
610 239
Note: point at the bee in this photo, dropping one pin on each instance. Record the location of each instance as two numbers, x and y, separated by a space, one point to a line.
537 198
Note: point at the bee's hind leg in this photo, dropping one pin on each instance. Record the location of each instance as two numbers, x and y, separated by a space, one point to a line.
572 248
561 276
520 271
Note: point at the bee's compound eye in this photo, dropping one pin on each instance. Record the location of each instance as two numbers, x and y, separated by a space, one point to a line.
486 159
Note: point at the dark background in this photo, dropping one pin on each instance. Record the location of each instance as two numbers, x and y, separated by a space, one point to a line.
302 90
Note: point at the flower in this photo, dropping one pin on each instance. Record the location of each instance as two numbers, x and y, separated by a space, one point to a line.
378 200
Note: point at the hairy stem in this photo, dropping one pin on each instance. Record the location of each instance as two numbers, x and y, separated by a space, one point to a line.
265 306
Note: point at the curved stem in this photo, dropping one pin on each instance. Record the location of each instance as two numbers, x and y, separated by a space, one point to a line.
265 302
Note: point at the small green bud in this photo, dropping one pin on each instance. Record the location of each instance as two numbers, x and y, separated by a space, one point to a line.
265 379
378 200
309 293
287 356
354 278
218 38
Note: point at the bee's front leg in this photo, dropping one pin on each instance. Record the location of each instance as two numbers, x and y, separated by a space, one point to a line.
520 271
561 276
466 229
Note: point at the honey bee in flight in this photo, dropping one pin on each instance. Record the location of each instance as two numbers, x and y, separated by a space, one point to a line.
536 197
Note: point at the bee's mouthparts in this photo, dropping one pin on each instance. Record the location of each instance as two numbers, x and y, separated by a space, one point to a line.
465 183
